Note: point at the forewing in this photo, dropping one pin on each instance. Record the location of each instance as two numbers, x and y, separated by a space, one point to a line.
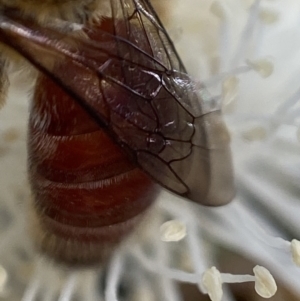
132 82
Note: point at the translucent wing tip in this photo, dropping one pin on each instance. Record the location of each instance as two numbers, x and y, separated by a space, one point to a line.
211 175
219 188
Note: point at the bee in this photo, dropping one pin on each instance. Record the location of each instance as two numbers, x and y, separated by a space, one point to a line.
113 114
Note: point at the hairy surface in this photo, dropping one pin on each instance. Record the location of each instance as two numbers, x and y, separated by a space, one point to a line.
68 10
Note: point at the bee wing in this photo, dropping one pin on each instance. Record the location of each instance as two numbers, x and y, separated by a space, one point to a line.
141 14
134 84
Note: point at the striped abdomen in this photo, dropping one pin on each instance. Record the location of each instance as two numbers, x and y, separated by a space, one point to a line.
88 196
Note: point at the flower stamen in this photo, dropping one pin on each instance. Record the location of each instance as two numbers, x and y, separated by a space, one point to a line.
212 281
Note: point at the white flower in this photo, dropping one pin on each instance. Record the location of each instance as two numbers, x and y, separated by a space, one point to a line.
247 54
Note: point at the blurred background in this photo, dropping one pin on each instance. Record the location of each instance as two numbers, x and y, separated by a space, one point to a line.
247 53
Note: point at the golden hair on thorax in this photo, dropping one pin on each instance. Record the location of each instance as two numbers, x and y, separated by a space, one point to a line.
44 10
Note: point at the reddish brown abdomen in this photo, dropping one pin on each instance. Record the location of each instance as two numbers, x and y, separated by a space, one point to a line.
88 196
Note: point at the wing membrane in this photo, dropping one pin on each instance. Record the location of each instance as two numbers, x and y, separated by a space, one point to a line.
131 80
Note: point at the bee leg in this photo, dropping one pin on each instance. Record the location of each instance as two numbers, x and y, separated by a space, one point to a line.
4 81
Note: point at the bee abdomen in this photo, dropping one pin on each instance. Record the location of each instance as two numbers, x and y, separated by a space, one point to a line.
87 194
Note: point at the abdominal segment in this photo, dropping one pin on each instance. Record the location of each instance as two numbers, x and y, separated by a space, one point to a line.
88 196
